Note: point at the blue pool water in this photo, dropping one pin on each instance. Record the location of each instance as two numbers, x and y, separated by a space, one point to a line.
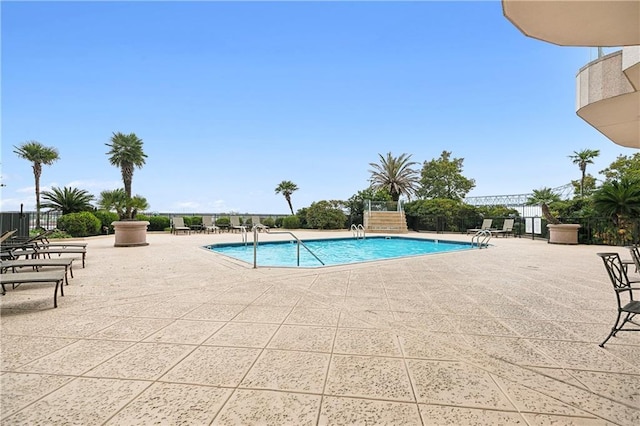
337 251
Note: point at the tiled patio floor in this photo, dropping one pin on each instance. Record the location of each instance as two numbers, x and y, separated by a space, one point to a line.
174 334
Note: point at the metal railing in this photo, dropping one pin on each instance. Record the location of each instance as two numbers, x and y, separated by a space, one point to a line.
298 240
358 231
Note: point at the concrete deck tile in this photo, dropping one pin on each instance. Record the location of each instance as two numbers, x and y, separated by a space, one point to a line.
288 370
76 358
143 361
243 334
266 314
20 350
365 319
353 411
436 415
454 383
515 350
83 401
258 407
366 342
303 338
313 316
133 329
549 420
186 332
169 403
369 377
215 312
20 390
213 366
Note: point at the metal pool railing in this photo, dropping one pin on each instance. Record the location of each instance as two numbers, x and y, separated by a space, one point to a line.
298 240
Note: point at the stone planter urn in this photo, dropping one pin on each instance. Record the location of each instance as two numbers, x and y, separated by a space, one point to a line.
563 233
130 233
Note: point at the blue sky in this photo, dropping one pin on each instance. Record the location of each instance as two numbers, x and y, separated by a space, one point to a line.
231 98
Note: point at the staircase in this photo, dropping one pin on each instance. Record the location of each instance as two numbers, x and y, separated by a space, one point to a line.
393 222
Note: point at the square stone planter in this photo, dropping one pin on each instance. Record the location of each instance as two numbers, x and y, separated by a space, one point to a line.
564 233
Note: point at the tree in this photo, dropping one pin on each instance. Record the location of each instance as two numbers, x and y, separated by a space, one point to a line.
356 203
618 199
286 188
67 200
584 187
623 167
395 175
543 197
442 178
582 159
127 154
38 154
114 200
326 214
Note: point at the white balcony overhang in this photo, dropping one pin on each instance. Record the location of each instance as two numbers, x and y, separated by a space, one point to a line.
607 96
577 22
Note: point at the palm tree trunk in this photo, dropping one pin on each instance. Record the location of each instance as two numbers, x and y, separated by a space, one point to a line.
37 172
290 206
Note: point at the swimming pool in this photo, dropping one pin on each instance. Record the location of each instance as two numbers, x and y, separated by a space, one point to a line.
336 251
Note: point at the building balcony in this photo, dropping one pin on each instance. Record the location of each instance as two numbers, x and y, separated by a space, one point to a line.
577 22
607 96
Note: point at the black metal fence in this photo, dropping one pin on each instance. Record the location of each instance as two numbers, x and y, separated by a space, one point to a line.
593 230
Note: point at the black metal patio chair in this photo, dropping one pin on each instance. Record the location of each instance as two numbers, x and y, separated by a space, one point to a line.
628 307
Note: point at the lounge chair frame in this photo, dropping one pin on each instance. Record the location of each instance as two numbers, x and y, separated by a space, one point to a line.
18 278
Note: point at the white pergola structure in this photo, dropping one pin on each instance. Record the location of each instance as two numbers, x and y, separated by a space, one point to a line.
607 89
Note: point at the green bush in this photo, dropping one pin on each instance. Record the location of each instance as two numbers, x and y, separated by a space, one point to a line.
156 223
278 221
291 222
223 221
326 215
81 224
269 221
106 218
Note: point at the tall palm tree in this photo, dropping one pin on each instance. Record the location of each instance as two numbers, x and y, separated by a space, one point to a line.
126 152
395 174
286 188
38 154
618 199
67 200
543 197
582 159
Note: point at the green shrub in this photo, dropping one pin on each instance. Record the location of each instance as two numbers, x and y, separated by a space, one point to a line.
326 215
278 221
81 224
269 221
106 218
223 221
291 222
158 223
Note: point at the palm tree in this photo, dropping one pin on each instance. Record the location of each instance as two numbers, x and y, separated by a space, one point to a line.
543 197
126 152
67 200
582 158
114 200
286 188
38 154
618 199
395 175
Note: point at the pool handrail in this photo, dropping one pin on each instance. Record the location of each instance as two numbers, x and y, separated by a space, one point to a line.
300 243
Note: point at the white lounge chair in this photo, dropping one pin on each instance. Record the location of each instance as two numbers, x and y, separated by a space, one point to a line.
179 226
208 225
486 224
